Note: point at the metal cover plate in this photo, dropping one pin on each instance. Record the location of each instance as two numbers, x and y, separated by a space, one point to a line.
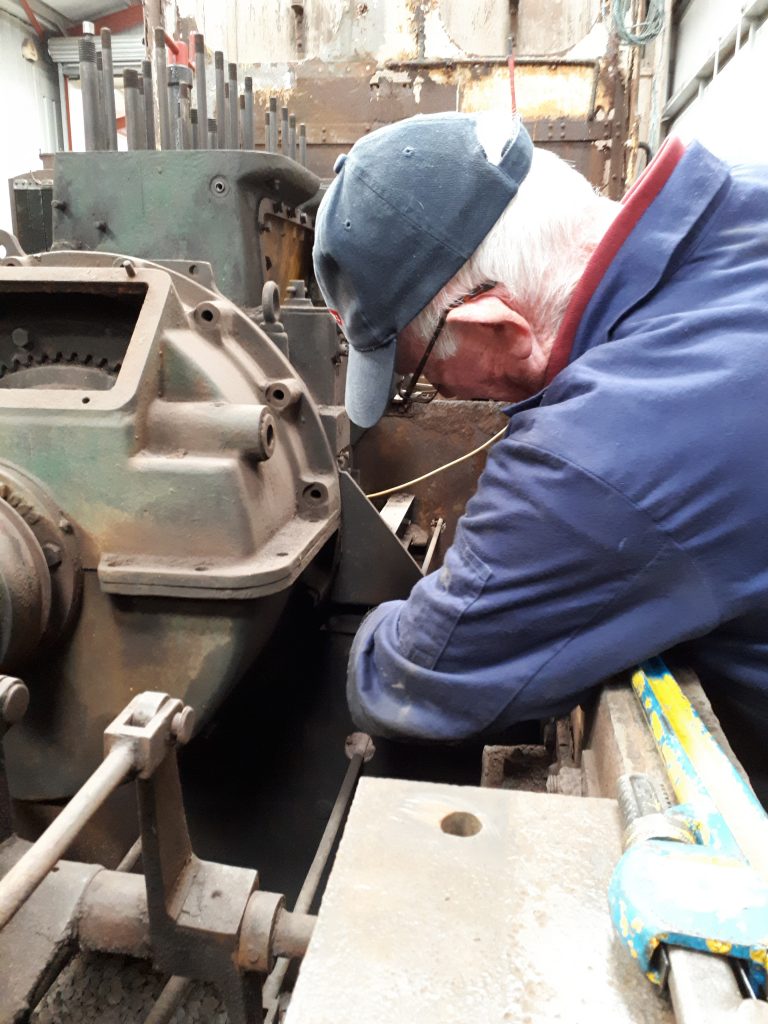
507 925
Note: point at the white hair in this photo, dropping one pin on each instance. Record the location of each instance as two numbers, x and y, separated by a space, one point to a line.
537 249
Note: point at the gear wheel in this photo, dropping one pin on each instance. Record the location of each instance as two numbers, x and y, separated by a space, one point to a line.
69 370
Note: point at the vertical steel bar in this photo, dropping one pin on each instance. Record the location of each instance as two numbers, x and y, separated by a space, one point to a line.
213 135
142 115
149 104
108 76
89 87
132 109
195 132
266 130
284 131
185 128
303 144
273 127
292 136
248 140
101 118
164 117
28 872
201 96
221 113
234 140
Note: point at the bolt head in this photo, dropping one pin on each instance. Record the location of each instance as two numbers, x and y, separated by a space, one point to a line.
14 699
183 725
20 337
52 554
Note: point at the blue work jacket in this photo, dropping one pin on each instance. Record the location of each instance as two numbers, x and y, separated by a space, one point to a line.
626 509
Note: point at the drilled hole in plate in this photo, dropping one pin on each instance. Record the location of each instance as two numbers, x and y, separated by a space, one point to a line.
85 400
194 269
461 823
278 394
270 435
207 315
282 554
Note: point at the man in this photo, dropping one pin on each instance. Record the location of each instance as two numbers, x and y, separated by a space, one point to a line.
626 509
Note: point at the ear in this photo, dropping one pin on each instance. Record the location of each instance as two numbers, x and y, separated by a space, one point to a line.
489 320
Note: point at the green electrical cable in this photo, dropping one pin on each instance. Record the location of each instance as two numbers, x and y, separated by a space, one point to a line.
642 32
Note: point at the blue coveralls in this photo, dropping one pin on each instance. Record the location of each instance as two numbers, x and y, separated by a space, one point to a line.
626 509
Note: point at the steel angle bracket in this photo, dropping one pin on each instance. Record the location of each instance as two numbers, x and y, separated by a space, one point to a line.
664 892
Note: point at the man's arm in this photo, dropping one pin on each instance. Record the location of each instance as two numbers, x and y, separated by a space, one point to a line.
554 582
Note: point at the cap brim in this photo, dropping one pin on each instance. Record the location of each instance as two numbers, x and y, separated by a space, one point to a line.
369 383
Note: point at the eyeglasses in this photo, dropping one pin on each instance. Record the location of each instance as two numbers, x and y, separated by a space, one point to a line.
405 393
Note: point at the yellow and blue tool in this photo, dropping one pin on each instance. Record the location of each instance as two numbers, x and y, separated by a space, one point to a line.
699 881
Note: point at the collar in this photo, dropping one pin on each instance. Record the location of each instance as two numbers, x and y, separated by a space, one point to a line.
669 202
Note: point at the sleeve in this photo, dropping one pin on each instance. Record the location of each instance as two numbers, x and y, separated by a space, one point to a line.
554 582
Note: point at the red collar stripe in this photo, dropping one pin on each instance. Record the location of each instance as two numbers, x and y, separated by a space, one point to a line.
635 203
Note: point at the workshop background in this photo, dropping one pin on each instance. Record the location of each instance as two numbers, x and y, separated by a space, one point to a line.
346 67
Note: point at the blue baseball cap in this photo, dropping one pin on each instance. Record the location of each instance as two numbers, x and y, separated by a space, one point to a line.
409 205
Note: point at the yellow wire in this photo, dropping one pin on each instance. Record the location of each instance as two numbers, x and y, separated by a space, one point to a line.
440 469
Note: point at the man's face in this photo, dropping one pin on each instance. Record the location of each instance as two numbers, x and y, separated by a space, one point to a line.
497 354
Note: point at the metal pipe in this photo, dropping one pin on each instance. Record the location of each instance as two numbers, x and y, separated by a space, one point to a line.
142 115
133 109
284 131
168 1001
267 124
363 753
108 78
221 112
201 97
273 127
164 116
89 86
149 104
292 136
101 115
233 140
248 140
26 874
185 126
195 131
303 145
213 135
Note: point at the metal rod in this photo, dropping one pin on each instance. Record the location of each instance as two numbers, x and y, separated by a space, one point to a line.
133 109
164 116
195 132
108 78
221 112
201 97
142 115
304 900
266 131
168 1001
303 144
89 86
131 858
149 104
284 131
273 127
213 135
26 874
185 127
248 140
101 117
292 136
233 140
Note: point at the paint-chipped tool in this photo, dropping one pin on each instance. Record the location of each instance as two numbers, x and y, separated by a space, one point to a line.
694 875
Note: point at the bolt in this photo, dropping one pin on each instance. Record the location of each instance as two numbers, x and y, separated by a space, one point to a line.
359 743
128 267
65 526
52 554
183 725
20 337
14 699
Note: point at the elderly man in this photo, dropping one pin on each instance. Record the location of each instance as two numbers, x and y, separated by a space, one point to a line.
626 509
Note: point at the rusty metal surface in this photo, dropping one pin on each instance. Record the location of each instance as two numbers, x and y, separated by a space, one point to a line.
445 902
402 447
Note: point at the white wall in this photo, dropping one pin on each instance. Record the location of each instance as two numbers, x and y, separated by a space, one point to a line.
29 108
728 115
